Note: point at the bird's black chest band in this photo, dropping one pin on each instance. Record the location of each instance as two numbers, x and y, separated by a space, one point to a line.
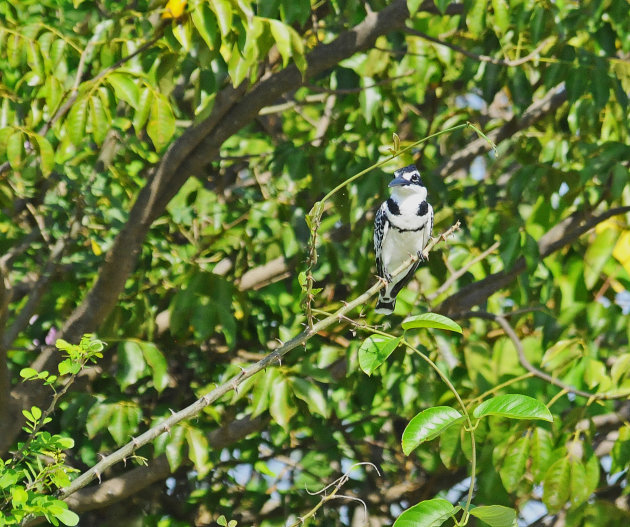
400 229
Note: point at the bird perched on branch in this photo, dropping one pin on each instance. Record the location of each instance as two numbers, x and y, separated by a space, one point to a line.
402 228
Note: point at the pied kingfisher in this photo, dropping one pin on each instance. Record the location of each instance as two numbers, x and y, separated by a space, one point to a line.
402 228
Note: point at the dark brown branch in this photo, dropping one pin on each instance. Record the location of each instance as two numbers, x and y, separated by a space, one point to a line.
562 234
133 481
197 147
189 155
552 100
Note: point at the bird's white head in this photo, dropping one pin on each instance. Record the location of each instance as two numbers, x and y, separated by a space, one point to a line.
407 182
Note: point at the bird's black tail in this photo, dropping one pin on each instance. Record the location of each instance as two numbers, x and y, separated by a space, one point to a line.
385 305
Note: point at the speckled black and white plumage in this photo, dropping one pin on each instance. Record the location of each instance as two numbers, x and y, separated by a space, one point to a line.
402 227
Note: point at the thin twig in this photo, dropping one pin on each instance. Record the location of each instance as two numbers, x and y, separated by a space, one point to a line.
480 58
461 271
337 484
509 331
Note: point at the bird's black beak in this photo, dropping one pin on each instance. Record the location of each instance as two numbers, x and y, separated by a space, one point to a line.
397 182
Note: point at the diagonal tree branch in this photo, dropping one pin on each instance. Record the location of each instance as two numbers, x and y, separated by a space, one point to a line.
232 384
560 235
551 101
133 481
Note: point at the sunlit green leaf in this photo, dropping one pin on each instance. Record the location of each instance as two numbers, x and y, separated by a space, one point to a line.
557 485
514 463
161 126
312 395
76 120
46 154
429 513
495 515
124 87
513 406
281 407
427 425
15 149
223 11
431 320
131 363
198 450
374 351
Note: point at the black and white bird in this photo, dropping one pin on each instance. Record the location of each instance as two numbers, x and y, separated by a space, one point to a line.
402 228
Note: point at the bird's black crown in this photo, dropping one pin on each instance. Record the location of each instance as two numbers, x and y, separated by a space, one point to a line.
410 174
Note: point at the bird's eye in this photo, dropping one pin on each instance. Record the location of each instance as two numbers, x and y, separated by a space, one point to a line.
415 178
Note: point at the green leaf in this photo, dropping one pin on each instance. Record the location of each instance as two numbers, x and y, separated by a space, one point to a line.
514 406
206 24
621 368
46 154
429 513
374 351
131 363
495 515
157 362
124 422
514 463
198 450
620 453
238 67
427 425
75 122
124 87
281 35
556 485
262 389
161 125
60 511
579 490
431 320
562 354
501 16
15 149
440 4
223 10
98 119
36 413
475 17
141 115
67 366
312 395
597 254
28 373
280 405
98 418
592 473
413 5
172 445
9 478
541 452
19 496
